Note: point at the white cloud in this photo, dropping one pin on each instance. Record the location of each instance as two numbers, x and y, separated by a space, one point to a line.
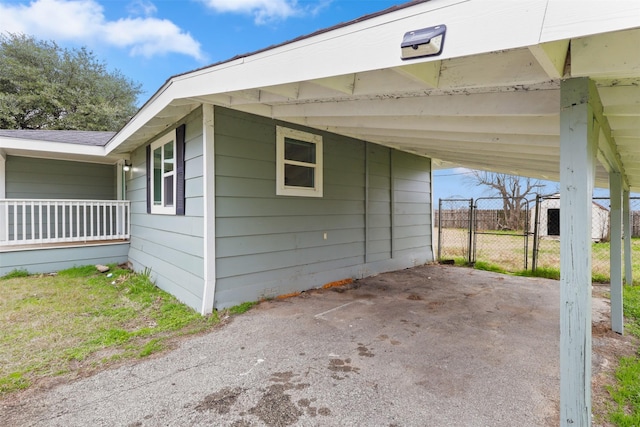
84 20
263 10
142 8
150 36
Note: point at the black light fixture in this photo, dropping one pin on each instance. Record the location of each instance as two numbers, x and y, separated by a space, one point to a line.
424 42
127 166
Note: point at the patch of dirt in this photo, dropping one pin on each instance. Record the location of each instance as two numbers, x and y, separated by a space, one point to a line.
339 365
276 408
363 351
220 401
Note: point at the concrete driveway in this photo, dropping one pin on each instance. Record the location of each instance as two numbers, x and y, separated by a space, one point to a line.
428 346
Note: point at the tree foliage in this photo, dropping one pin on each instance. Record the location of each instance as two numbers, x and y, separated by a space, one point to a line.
44 86
513 190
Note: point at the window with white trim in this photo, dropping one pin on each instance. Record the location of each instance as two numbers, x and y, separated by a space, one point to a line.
298 162
163 175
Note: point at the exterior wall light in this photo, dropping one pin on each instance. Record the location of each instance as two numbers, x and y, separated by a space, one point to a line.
424 42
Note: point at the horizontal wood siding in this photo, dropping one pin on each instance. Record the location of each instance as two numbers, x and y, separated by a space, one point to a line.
412 203
268 245
171 246
56 259
32 178
379 209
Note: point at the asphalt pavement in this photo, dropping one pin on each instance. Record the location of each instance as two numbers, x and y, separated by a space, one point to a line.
429 346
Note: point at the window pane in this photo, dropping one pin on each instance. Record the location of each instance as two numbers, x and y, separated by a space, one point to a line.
157 176
168 190
168 157
299 151
299 176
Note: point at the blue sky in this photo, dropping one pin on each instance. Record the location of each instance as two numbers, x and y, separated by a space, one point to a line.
150 41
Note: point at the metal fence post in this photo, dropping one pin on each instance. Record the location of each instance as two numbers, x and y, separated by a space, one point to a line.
439 229
526 233
536 221
471 245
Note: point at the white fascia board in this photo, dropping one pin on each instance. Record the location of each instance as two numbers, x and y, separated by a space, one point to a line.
53 147
473 27
149 110
568 19
56 150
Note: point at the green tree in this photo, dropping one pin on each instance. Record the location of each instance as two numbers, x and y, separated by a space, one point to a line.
44 86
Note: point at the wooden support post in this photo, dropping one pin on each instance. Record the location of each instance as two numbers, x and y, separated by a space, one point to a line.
628 233
578 146
615 251
209 192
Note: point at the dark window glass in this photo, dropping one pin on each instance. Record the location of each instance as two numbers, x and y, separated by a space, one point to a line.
298 176
168 157
299 151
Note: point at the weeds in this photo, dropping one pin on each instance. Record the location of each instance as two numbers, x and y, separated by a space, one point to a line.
15 274
242 308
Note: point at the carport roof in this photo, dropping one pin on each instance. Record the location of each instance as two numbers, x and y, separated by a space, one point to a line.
490 101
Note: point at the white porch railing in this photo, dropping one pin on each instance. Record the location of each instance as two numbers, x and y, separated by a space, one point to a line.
31 221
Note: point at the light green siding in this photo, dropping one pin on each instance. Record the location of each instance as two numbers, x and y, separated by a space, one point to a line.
32 178
376 213
171 246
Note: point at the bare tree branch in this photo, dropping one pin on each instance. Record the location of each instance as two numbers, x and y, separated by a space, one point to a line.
513 190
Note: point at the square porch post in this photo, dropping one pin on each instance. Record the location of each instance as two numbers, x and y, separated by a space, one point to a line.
209 193
615 251
628 233
578 147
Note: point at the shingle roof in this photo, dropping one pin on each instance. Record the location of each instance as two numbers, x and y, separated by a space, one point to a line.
80 137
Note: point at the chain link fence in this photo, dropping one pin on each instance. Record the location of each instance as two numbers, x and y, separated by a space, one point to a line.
454 222
500 232
521 234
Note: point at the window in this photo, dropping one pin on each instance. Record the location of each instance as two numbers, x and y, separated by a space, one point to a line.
163 179
299 163
165 174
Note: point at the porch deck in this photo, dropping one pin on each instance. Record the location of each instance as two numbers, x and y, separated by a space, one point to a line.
54 245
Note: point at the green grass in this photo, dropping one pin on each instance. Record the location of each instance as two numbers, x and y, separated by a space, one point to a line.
242 308
81 320
626 392
544 272
15 273
499 250
487 266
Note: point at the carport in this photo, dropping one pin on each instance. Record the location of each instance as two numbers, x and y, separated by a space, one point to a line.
542 88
